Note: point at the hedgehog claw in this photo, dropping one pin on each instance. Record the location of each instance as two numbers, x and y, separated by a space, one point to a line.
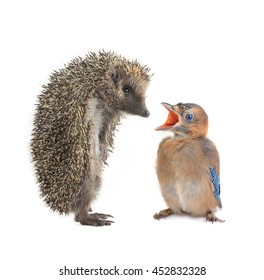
101 216
94 219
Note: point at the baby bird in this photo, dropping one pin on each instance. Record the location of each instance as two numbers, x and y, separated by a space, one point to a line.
188 164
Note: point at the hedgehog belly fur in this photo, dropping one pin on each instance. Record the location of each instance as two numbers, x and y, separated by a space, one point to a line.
94 120
95 117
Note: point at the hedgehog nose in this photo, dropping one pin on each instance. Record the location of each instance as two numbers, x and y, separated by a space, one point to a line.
146 113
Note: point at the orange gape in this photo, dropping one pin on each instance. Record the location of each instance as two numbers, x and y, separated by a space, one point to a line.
172 119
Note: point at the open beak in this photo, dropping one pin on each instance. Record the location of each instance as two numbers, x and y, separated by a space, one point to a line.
172 118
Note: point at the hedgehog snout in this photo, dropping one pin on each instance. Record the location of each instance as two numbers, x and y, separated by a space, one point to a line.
146 113
142 112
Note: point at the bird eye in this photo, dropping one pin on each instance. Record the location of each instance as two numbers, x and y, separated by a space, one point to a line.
126 89
189 117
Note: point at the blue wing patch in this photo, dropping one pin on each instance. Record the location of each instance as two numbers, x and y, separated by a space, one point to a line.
216 182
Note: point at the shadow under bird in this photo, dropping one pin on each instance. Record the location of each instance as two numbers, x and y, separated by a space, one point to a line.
74 127
188 164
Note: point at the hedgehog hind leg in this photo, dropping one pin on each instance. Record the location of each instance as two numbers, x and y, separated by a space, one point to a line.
82 204
101 216
84 217
95 219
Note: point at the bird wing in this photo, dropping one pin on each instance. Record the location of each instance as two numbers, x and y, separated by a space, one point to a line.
212 154
216 185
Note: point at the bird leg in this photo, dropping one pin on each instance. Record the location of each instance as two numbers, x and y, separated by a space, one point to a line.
212 218
163 214
93 219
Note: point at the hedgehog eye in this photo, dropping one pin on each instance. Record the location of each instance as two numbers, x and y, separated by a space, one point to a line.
189 117
126 89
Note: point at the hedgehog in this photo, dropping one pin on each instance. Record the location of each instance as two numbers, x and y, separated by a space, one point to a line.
74 127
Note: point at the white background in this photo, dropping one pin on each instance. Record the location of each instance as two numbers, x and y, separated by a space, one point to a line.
207 52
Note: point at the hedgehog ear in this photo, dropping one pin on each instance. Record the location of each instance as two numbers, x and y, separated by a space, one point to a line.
117 75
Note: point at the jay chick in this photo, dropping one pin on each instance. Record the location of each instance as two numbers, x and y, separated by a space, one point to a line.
188 164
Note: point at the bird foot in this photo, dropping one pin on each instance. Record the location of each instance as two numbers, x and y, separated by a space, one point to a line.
163 214
94 219
212 218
